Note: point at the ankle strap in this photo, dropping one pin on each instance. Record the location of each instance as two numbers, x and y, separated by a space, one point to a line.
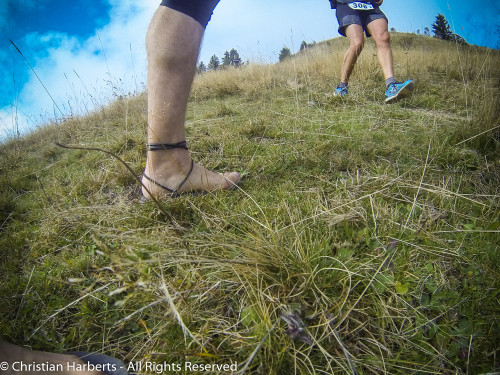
166 146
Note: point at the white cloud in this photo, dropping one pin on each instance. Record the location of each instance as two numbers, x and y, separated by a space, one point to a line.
83 74
13 122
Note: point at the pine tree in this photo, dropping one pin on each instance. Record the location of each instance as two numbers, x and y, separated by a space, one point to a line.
201 68
226 60
441 28
284 54
214 63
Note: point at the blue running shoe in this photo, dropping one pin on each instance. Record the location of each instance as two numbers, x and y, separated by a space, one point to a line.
397 91
341 91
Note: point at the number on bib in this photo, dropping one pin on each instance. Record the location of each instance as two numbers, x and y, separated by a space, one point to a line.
358 5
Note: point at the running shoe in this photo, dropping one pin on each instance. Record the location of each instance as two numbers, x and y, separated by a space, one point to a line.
340 91
397 91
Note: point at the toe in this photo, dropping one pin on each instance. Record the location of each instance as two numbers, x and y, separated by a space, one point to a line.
232 179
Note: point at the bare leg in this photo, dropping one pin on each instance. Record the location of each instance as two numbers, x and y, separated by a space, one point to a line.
356 42
172 44
378 29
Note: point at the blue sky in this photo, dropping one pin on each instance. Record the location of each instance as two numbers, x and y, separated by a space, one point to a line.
88 52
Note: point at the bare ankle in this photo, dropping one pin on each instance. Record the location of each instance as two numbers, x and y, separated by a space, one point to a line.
170 160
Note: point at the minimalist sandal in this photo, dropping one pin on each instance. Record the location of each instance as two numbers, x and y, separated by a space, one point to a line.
168 146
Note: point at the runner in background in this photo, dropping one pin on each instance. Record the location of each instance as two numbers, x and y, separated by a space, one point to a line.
356 18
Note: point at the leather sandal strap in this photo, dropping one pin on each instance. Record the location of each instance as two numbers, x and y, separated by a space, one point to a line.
157 183
172 191
166 146
183 182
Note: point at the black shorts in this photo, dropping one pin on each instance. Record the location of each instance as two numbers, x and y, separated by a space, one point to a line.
200 10
348 16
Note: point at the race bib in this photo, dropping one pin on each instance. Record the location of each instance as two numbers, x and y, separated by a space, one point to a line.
358 5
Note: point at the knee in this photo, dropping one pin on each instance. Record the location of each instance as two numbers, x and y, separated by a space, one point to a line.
383 40
357 45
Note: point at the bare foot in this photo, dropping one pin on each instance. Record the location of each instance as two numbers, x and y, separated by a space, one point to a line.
168 172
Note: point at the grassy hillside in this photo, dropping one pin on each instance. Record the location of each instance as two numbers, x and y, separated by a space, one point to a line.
363 239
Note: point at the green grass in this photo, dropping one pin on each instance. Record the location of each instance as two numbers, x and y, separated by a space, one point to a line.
377 225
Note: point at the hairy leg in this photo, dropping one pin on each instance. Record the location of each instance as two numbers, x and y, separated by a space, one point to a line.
356 42
172 43
378 29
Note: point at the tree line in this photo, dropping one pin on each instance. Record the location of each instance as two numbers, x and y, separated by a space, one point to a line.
286 53
230 58
440 28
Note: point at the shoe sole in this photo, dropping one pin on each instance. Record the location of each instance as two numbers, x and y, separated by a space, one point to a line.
337 95
405 92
